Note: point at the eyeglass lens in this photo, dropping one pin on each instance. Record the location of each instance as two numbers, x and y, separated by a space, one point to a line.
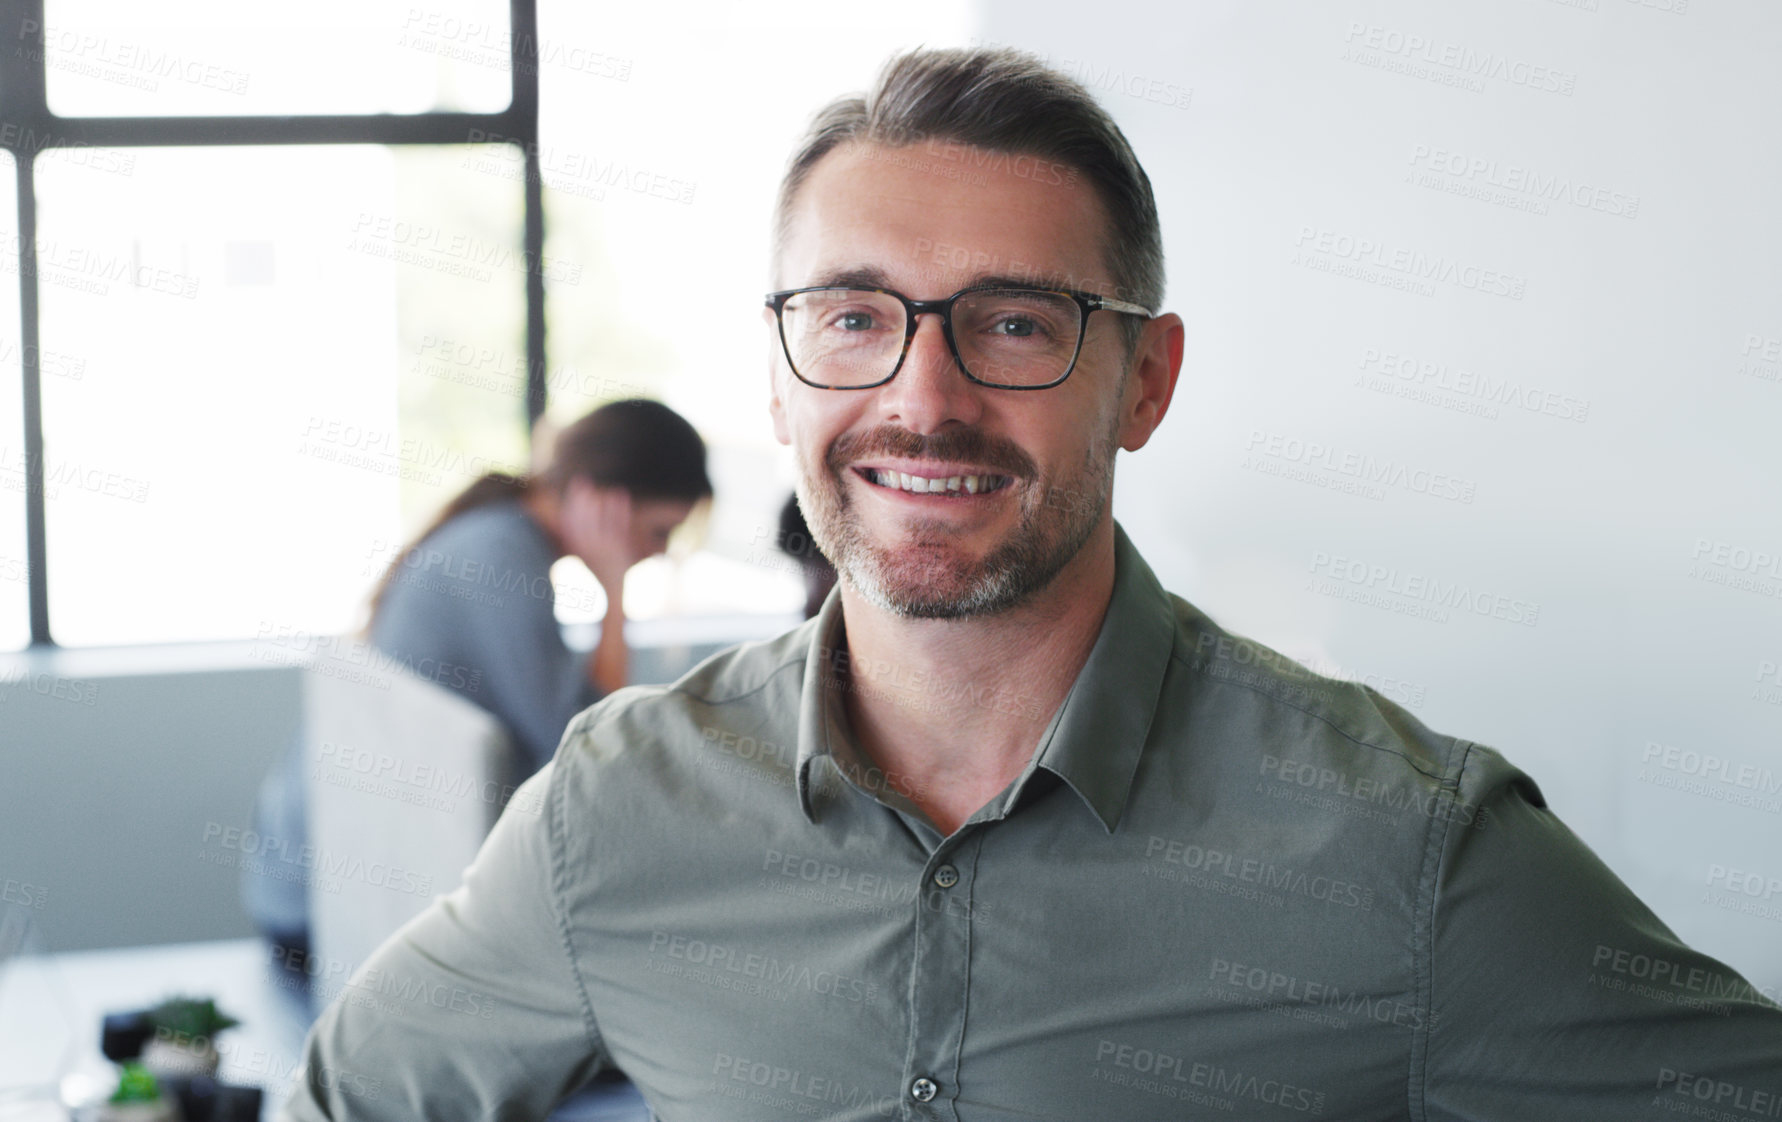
1008 337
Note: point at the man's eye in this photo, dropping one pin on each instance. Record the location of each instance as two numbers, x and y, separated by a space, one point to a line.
854 321
1016 327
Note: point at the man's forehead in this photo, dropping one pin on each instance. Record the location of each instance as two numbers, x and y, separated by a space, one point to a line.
921 217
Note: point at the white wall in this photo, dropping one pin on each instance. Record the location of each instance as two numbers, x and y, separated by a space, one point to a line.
1311 131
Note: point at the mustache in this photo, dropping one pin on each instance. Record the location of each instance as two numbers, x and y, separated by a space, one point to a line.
968 444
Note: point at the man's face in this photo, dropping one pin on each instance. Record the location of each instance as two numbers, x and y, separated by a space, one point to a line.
1043 459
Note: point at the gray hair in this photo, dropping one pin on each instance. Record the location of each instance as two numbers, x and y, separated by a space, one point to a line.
1006 101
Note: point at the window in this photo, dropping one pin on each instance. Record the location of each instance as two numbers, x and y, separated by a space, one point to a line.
251 352
283 281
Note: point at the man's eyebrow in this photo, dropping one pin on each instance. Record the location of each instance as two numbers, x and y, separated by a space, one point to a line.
868 276
1054 281
858 276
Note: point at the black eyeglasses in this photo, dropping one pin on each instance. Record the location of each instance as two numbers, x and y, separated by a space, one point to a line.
840 338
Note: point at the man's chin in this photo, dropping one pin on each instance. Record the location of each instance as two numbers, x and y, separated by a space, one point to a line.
936 587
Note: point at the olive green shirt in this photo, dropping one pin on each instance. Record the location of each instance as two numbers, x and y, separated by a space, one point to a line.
1223 888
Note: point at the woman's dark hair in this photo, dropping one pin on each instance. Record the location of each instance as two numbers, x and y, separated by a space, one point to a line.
640 445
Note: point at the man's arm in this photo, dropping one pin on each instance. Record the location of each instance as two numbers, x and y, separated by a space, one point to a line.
472 1010
1556 993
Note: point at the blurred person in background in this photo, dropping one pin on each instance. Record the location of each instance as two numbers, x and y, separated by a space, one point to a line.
474 590
795 541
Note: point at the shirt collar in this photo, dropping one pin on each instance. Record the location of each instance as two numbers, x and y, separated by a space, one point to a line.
1096 737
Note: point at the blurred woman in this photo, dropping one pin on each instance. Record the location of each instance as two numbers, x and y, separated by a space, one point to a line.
474 590
473 593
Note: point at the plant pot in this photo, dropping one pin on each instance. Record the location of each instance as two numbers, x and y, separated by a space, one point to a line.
167 1057
161 1110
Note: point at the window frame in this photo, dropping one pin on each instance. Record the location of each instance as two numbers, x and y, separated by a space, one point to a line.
24 105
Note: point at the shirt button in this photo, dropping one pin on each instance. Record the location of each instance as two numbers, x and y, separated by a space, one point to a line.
946 876
923 1089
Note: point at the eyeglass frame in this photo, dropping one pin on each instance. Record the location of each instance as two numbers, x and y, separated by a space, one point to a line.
1086 302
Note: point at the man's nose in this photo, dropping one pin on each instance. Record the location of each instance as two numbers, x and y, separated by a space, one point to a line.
930 390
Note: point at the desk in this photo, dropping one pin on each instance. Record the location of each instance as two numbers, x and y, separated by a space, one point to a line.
51 1007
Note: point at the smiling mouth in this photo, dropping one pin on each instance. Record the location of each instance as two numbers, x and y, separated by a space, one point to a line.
935 485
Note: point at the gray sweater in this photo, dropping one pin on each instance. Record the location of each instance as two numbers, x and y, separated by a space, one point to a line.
472 608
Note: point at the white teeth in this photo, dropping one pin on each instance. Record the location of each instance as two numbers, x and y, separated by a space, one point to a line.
923 485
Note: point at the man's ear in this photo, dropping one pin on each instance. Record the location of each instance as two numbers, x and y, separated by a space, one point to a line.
1156 363
776 405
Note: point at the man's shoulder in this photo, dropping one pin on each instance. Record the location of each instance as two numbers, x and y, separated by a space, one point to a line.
1304 718
752 689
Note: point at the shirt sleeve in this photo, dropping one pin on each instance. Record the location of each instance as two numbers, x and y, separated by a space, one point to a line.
1555 993
473 1009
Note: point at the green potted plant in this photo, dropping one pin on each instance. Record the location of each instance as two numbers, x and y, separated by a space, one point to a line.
137 1099
184 1043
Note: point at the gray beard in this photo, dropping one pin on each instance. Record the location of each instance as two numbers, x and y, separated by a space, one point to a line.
917 581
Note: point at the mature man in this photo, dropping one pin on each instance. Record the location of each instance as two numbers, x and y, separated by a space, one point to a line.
1007 831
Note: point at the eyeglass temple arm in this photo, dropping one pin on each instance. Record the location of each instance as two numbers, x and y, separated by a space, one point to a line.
1122 306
